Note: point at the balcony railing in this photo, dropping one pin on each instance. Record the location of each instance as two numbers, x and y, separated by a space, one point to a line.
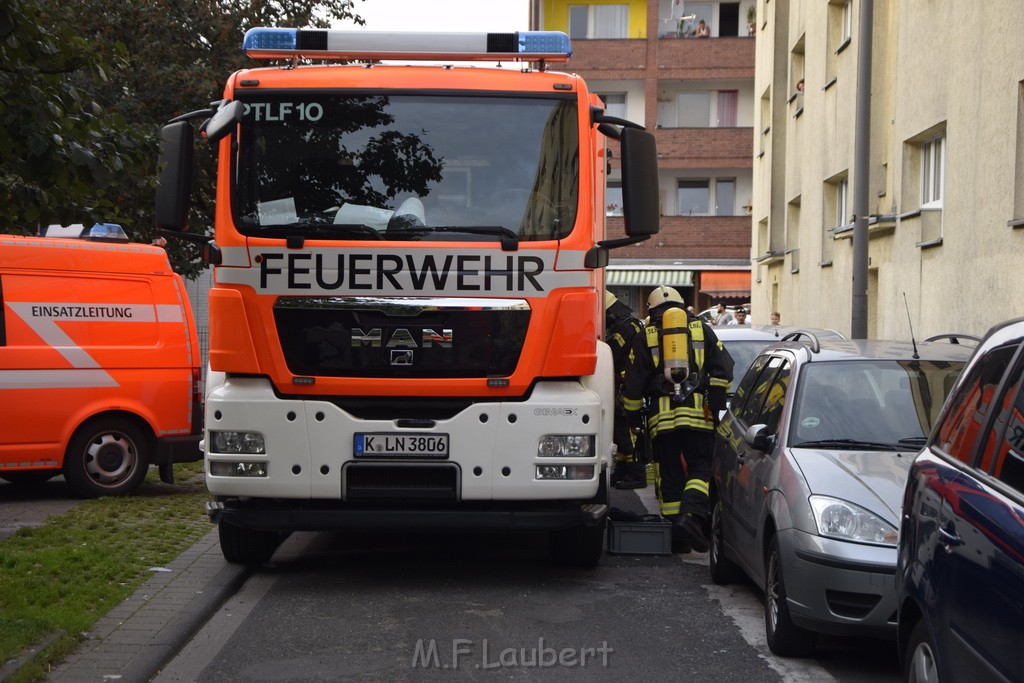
690 237
724 58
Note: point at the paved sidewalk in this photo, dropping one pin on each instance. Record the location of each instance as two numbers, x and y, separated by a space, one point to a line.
139 636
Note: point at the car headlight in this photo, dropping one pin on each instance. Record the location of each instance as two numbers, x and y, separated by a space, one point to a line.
848 522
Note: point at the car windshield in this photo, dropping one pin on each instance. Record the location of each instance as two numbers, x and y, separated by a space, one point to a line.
869 404
408 167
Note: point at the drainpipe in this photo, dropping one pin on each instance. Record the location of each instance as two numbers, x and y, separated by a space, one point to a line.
861 161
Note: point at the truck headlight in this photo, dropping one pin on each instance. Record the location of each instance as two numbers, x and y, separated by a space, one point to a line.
237 468
566 446
848 522
565 472
249 443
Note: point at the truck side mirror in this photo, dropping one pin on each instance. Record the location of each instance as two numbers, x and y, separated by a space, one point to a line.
174 185
639 182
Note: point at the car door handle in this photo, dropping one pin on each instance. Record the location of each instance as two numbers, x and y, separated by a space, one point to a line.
950 537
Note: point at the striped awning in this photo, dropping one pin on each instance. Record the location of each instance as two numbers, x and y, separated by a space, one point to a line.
647 277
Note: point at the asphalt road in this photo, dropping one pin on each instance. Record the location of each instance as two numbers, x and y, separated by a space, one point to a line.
427 607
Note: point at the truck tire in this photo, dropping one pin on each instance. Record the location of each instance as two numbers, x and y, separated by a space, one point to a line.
107 456
579 546
240 545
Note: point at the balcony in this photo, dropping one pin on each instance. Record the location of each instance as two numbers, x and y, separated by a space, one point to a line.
690 237
725 58
705 147
608 59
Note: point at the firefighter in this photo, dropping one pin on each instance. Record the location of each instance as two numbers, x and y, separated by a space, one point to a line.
683 371
621 326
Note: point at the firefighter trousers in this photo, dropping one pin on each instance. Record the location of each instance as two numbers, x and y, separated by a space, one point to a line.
684 469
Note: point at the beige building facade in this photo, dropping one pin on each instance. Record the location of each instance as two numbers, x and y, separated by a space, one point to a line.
945 182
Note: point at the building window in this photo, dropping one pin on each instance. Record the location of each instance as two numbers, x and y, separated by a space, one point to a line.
694 197
613 198
728 102
933 161
694 109
598 21
725 197
847 28
841 198
614 104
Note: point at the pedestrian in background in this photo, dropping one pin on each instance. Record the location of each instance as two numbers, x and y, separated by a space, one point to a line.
776 318
741 317
723 316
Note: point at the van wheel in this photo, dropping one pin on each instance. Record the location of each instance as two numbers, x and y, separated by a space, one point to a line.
240 545
29 477
107 457
723 570
785 638
921 664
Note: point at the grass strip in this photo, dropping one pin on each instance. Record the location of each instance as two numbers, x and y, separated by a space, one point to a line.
68 573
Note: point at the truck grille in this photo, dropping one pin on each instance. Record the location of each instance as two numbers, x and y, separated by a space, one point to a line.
384 482
401 337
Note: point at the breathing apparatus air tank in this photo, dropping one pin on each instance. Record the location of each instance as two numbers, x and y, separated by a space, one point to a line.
675 344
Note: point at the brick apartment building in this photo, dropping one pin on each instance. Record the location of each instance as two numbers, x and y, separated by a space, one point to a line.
697 94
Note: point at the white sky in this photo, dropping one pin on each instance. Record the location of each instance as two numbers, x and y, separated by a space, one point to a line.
443 15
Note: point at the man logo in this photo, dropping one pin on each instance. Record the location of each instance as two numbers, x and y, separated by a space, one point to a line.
401 356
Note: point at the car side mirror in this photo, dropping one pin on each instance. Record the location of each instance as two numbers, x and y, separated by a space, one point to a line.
758 438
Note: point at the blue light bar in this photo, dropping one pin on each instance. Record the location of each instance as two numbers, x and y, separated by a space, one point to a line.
288 43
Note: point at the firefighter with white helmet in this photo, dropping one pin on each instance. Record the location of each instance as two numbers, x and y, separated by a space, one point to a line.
621 326
683 371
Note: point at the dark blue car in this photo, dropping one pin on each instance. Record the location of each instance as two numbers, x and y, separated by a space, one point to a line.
960 567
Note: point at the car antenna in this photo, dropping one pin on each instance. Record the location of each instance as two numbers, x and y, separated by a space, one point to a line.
912 340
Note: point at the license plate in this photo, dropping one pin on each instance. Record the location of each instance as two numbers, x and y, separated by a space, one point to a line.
401 445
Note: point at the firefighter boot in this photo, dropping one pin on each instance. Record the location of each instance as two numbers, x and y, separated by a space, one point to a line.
634 476
690 530
618 472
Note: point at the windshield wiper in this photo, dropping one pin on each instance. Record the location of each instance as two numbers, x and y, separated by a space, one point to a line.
509 238
324 230
848 444
915 440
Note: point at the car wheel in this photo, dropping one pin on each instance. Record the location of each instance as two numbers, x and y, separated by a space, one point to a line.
29 477
785 638
240 545
723 570
921 665
108 456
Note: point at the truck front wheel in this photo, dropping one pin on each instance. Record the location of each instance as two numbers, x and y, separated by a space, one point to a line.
247 546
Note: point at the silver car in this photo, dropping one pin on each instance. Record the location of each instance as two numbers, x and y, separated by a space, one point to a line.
808 479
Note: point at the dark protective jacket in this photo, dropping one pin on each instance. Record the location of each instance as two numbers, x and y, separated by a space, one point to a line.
645 378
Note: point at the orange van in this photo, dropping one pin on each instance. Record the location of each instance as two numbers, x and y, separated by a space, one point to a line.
100 365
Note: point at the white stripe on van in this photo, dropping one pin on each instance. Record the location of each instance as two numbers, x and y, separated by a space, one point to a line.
43 318
56 379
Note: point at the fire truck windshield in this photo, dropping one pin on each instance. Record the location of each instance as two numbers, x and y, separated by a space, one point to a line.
351 166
